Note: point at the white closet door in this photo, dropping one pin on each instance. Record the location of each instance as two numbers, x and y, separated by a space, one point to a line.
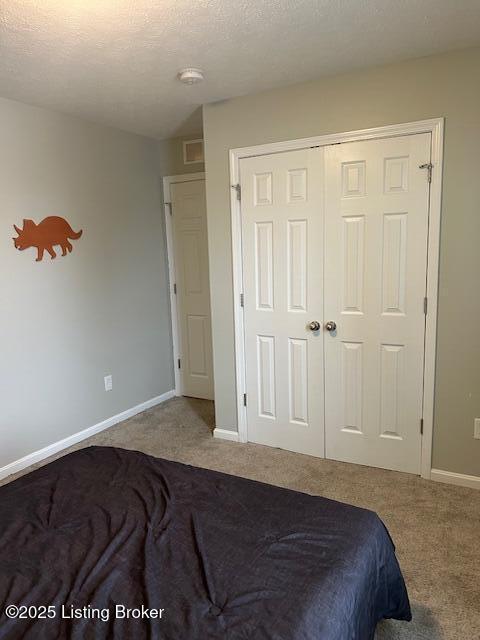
189 224
282 232
376 204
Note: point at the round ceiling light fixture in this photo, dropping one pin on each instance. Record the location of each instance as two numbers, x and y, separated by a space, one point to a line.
190 75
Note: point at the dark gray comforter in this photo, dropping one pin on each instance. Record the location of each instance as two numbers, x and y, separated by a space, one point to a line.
226 558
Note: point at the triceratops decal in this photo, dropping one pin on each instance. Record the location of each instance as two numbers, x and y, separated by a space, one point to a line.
44 235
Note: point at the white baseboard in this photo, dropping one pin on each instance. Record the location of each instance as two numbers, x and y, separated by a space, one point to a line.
455 478
225 434
41 454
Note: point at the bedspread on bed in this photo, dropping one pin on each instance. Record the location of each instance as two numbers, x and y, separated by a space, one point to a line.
225 558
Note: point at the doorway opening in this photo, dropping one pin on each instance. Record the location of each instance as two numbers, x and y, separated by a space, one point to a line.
187 249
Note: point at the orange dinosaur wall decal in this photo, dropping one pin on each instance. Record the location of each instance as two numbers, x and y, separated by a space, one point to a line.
44 235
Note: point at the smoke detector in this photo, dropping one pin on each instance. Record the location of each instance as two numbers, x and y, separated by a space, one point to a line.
190 76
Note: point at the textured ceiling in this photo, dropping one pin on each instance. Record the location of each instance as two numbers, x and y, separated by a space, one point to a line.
115 61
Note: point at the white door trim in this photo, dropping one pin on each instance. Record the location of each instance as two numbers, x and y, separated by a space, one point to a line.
167 204
435 127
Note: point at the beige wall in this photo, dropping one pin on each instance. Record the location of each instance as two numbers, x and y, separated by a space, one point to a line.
170 157
446 85
65 323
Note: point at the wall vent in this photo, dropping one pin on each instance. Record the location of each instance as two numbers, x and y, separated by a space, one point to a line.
193 151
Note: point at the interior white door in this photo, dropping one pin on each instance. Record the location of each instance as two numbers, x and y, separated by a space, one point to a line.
282 238
376 204
189 226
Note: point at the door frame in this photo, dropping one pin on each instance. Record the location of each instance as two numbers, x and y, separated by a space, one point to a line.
434 126
172 279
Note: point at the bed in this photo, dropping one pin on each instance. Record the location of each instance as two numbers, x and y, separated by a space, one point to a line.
107 538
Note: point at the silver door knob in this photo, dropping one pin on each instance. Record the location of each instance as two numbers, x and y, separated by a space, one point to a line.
330 325
314 325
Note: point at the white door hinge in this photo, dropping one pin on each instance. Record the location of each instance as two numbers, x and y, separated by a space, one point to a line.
238 189
244 399
175 288
169 205
425 305
429 167
421 426
242 300
179 363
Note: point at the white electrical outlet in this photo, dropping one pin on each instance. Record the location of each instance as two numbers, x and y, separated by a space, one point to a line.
476 428
108 383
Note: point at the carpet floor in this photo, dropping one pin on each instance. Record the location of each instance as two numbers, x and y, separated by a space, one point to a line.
434 526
